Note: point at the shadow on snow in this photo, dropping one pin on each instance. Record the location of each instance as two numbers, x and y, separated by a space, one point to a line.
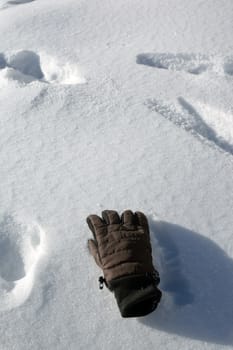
197 283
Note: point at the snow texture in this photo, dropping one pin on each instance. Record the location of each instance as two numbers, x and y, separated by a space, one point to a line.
115 105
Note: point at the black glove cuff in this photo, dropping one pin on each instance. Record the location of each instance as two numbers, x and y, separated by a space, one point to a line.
136 295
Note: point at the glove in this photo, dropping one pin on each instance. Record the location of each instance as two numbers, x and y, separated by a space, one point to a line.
121 248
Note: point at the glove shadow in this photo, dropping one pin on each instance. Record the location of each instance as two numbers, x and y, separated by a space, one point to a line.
197 283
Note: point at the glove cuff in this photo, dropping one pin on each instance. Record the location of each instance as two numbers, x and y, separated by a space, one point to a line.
136 295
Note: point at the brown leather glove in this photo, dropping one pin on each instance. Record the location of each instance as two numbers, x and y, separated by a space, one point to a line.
121 247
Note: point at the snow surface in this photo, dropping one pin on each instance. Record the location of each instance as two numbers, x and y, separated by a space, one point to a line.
115 105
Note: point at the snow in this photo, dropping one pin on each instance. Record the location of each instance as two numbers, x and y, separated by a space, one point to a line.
115 105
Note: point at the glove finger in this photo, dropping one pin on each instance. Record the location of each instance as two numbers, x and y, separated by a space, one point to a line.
93 249
127 217
111 217
94 223
142 220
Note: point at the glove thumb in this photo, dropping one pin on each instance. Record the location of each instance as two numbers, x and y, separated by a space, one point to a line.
93 249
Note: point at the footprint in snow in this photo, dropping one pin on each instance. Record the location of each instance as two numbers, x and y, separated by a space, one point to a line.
21 248
208 124
18 2
2 61
11 3
191 63
228 65
27 66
